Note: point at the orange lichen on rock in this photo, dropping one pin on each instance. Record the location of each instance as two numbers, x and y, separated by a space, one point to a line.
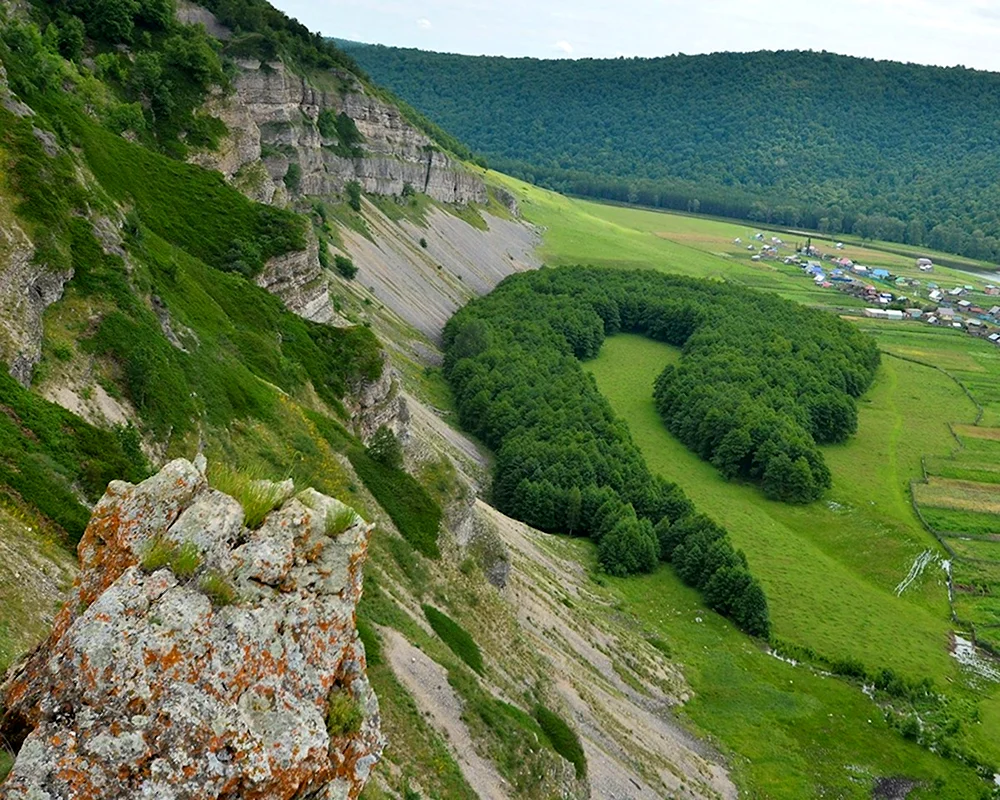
147 689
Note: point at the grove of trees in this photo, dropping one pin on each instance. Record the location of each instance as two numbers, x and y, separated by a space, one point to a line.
761 381
901 152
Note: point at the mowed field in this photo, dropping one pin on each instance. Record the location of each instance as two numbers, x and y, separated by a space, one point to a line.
831 569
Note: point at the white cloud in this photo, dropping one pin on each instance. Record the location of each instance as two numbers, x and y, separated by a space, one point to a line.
564 46
424 24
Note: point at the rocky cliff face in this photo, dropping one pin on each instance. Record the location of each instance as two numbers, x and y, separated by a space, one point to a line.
273 117
240 677
27 286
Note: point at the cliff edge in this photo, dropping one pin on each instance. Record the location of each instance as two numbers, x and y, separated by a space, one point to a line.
198 657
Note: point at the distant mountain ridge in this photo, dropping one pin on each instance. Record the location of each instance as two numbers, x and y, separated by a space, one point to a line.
896 151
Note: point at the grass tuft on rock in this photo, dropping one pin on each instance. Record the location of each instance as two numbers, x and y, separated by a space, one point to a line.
339 521
343 713
259 497
183 560
218 588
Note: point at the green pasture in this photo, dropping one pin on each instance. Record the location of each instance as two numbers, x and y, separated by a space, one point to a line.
829 568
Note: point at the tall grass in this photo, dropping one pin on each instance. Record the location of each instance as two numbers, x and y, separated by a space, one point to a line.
258 496
563 739
456 637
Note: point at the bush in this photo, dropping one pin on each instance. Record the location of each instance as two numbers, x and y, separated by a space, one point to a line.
423 242
353 191
343 713
369 638
345 266
563 739
456 637
385 449
293 177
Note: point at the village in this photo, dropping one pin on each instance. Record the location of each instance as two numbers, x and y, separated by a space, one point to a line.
889 296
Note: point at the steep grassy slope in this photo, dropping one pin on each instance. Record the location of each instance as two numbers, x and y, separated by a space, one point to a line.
882 149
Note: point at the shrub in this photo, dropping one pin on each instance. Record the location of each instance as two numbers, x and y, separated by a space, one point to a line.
385 449
412 509
218 588
369 638
353 191
258 497
343 713
345 266
293 177
456 637
563 739
423 242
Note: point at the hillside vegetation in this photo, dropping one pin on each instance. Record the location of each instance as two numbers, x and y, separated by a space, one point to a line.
883 150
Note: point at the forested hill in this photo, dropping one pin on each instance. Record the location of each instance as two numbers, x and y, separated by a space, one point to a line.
897 151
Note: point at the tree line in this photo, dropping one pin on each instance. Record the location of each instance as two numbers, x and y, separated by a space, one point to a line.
900 152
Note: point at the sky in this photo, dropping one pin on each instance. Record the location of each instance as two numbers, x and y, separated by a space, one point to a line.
942 32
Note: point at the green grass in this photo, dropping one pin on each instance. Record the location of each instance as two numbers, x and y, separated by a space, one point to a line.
456 637
218 588
846 558
948 520
413 510
214 222
343 714
829 570
258 496
563 739
337 522
790 733
981 549
46 453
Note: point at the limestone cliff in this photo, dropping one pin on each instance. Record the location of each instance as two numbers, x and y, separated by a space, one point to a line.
273 115
239 675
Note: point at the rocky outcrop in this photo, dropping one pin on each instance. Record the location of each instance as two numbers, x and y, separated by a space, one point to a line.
373 404
27 286
298 279
238 674
273 116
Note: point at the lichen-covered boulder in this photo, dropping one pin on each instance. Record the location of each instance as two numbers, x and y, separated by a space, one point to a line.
197 658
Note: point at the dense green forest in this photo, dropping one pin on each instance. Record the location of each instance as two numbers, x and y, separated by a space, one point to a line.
901 152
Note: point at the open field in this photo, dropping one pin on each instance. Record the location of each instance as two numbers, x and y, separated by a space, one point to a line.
789 732
959 495
842 558
951 520
586 232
